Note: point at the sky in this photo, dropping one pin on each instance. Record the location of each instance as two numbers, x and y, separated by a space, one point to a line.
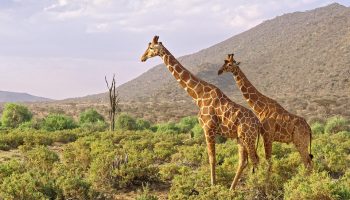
63 48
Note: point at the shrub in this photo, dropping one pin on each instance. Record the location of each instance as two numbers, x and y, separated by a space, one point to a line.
73 187
54 122
332 153
187 123
90 116
163 150
30 125
76 156
316 186
168 128
191 156
168 171
197 131
41 158
10 167
125 122
317 128
142 124
336 124
145 194
21 187
94 127
11 140
15 114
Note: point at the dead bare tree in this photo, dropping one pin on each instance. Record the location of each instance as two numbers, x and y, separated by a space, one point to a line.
113 102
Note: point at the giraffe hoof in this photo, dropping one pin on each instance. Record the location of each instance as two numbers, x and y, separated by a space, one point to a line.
194 192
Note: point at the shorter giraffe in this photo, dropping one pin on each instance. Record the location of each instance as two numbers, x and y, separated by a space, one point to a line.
278 124
218 115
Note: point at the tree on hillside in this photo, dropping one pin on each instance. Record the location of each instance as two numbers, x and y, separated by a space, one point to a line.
15 114
113 102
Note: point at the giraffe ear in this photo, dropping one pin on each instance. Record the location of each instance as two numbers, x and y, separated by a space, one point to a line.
155 39
226 61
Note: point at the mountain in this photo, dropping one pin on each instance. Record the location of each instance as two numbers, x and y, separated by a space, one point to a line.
301 59
20 97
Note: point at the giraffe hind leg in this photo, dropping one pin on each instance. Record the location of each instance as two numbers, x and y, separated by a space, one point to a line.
243 155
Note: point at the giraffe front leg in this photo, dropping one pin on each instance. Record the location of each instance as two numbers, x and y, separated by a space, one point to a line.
210 139
243 156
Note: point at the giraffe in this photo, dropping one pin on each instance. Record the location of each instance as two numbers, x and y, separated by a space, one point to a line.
278 124
218 115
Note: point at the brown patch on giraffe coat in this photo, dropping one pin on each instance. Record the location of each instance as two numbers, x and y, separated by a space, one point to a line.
178 69
185 76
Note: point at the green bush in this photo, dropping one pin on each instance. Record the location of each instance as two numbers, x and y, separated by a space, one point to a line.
21 187
186 124
100 173
41 158
145 194
315 186
142 124
197 131
30 125
15 114
94 127
11 140
90 116
168 128
10 167
336 124
73 187
317 128
125 122
191 156
332 153
54 122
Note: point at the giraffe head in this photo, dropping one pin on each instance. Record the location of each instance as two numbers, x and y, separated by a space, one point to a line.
154 49
230 65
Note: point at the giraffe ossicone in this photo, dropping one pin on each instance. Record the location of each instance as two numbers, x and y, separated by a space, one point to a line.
218 115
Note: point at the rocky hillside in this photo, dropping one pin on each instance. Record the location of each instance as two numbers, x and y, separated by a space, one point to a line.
301 59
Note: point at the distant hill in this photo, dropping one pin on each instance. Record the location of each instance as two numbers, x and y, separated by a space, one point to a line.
301 59
6 96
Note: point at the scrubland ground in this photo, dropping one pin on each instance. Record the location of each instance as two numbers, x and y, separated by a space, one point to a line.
165 161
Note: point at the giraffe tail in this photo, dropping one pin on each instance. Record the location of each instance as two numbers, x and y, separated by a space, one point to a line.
310 154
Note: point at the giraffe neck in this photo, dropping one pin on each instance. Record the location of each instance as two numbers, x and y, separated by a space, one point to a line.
192 85
250 93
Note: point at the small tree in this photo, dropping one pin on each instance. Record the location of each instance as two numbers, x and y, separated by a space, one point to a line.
126 122
54 122
113 102
90 116
15 114
142 124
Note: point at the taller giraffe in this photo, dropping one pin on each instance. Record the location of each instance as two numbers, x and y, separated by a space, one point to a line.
279 125
217 115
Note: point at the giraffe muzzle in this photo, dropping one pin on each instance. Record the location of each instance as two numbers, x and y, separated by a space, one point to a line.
143 59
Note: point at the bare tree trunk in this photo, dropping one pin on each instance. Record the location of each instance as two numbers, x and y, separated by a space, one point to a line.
113 102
